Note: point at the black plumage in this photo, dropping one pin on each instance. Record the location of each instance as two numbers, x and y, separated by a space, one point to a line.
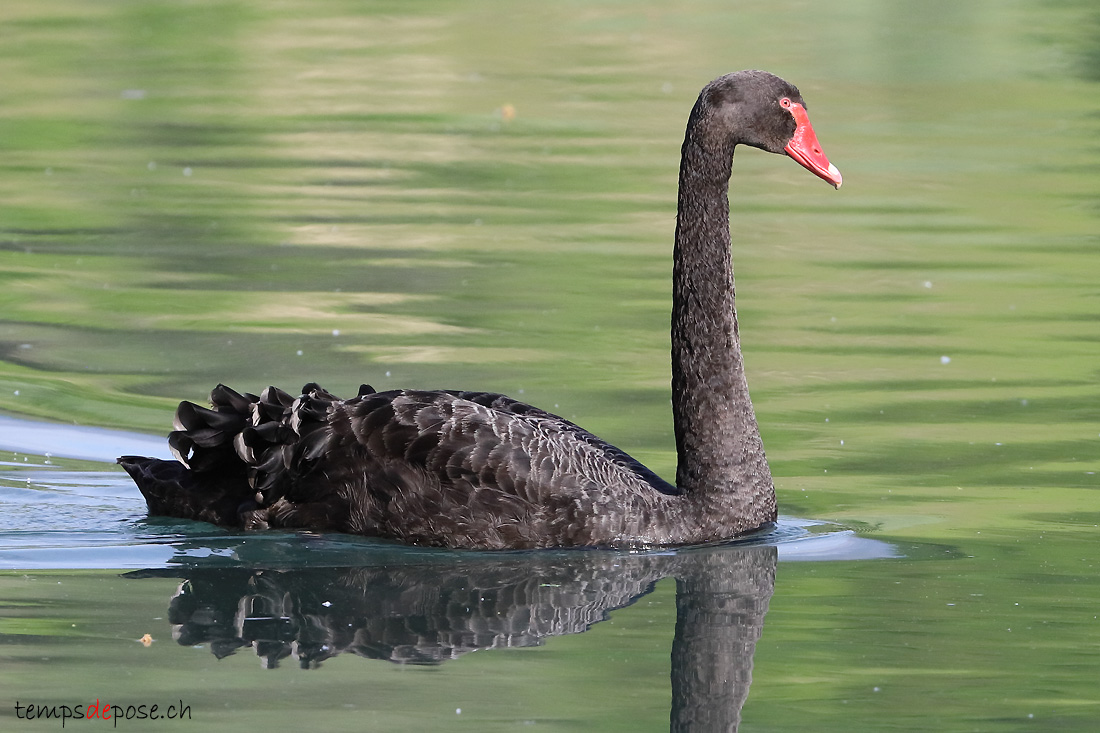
484 471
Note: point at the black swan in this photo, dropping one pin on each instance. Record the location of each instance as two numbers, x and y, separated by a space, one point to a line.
483 471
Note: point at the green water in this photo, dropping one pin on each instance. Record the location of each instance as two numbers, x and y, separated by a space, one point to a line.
481 195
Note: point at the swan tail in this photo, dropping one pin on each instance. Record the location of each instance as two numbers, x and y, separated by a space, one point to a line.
238 462
173 490
207 481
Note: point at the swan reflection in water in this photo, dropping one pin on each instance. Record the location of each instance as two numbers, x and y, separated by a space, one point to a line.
437 608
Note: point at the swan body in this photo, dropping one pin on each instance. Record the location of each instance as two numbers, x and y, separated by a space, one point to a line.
483 471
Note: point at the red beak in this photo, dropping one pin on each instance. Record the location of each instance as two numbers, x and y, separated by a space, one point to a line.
805 149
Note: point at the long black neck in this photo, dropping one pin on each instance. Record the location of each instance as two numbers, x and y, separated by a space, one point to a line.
721 459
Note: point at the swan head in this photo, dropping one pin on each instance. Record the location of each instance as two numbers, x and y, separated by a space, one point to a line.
761 110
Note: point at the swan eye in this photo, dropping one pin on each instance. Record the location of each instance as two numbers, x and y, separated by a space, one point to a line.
785 103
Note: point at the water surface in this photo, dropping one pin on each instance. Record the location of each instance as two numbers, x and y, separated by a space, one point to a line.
481 196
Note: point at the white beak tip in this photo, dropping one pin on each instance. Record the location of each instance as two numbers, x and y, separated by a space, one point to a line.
835 173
